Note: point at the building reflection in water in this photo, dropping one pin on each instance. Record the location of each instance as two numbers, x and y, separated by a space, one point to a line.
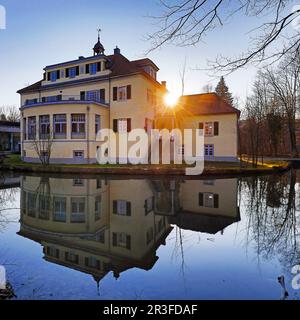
101 225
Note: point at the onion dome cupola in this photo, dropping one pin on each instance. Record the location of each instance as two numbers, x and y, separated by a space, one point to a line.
98 47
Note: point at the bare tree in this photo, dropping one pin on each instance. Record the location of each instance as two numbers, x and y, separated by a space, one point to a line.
182 74
43 147
285 86
10 113
187 22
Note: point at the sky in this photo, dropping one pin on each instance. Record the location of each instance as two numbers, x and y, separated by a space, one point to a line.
40 33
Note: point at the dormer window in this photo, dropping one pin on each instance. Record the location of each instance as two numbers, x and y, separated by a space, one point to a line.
72 72
93 68
53 75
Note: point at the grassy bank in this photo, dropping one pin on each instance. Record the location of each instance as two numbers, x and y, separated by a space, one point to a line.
14 162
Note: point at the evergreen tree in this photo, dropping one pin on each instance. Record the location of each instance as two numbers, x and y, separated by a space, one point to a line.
223 91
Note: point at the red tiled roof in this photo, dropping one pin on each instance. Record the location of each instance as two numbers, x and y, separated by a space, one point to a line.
205 104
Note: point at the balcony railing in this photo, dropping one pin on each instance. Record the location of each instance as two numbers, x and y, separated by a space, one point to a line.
64 98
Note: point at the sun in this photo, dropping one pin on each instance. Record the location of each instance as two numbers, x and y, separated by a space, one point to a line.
171 99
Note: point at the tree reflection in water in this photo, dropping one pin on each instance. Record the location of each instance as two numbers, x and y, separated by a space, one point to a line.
272 209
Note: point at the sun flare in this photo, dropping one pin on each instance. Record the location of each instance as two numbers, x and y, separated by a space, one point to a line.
171 99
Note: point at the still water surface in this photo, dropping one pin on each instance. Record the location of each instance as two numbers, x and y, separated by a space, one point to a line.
149 238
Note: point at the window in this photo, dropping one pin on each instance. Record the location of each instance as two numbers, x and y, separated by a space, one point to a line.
97 123
78 154
208 129
31 209
209 150
78 126
209 182
122 125
209 200
149 205
29 102
60 126
52 252
44 207
122 207
93 68
59 209
72 257
77 210
31 128
97 208
122 240
98 183
93 95
52 98
53 76
122 93
78 182
72 72
92 262
44 126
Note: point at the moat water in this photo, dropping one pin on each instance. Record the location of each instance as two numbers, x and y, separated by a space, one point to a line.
149 238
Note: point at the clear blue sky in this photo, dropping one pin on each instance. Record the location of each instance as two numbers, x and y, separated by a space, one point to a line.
45 32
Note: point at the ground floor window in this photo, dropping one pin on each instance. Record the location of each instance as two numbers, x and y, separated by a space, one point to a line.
208 200
209 150
78 126
121 239
60 126
31 128
59 209
78 154
78 210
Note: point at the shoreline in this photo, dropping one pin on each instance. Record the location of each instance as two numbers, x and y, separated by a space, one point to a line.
143 170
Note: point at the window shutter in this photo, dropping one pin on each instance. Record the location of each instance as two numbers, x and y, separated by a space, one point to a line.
82 95
114 239
146 122
102 95
115 204
200 199
216 128
128 209
128 125
216 200
86 262
57 253
58 74
115 93
48 76
115 125
128 242
67 73
87 68
201 125
129 92
145 206
77 70
98 66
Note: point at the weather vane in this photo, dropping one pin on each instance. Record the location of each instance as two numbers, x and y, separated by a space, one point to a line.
99 30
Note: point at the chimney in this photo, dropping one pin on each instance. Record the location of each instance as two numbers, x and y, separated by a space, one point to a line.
81 57
164 84
117 50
